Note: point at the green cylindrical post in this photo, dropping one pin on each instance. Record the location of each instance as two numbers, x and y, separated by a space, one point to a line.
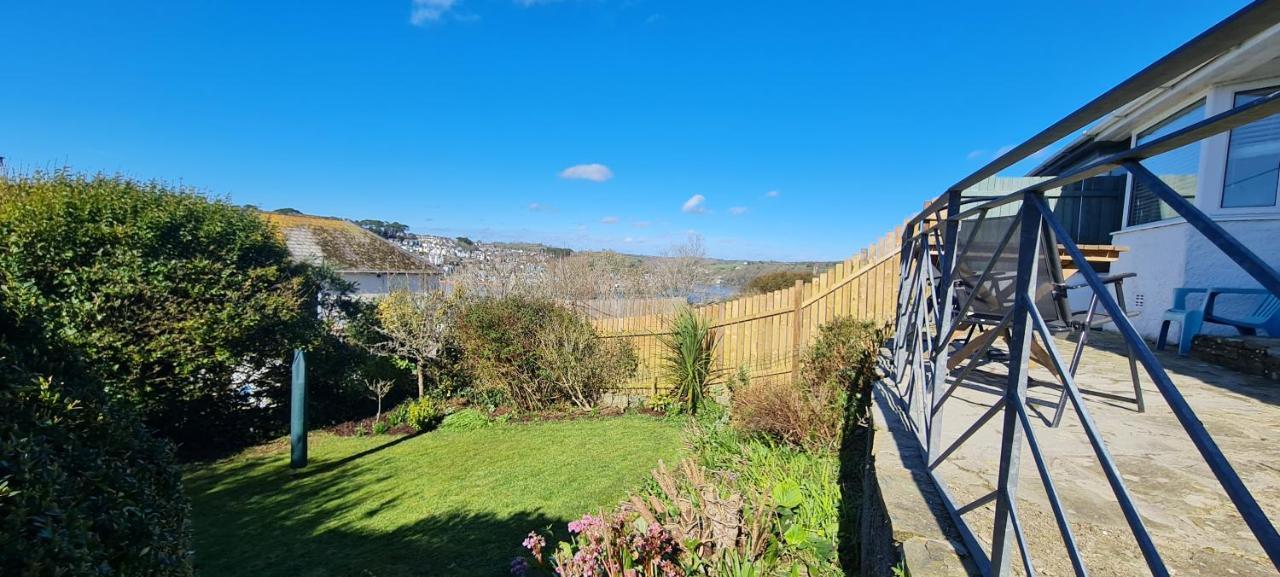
298 411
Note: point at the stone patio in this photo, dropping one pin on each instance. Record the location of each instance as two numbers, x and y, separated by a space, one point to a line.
1192 522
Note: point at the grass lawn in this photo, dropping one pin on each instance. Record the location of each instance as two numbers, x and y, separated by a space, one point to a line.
443 503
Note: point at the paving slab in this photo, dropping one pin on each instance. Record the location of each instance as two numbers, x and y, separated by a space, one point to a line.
1193 523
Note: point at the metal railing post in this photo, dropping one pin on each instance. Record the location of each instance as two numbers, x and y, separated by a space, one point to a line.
942 339
1015 392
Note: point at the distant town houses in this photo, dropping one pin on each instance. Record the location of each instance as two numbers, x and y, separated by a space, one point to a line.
451 253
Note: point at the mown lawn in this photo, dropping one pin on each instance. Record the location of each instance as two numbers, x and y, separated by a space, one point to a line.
442 503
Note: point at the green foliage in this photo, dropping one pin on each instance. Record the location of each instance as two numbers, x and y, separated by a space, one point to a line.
465 420
843 354
464 241
84 488
812 411
794 492
688 357
538 353
381 427
171 298
423 414
399 415
772 281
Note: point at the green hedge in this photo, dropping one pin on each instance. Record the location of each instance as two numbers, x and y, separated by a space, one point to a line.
84 488
171 296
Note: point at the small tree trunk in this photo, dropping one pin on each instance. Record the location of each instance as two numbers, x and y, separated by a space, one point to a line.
378 416
421 380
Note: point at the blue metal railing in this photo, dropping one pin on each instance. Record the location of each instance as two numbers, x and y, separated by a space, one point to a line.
930 313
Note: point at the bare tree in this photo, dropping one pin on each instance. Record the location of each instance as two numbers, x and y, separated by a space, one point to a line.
499 274
414 326
680 270
378 389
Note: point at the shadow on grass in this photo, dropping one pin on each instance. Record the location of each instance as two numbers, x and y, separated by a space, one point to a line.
260 518
854 447
331 465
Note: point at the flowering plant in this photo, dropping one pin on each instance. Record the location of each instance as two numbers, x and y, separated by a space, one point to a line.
611 545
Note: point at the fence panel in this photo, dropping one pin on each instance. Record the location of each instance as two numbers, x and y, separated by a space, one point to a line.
763 334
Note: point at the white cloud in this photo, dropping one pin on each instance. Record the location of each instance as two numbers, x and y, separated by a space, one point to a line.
772 194
592 172
609 220
424 12
641 224
694 205
528 3
737 210
976 154
540 207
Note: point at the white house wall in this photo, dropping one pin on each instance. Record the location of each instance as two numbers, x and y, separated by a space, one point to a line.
372 285
1157 255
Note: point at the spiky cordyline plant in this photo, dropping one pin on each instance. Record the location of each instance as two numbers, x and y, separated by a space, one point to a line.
690 354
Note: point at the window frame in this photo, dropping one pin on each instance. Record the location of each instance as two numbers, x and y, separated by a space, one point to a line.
1201 163
1221 98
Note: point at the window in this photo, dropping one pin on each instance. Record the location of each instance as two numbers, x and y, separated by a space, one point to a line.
1253 158
1178 168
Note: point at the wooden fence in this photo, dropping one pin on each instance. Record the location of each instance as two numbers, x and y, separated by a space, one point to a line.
765 334
620 308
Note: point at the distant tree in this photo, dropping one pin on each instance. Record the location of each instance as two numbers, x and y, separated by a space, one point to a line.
465 241
680 269
558 252
414 326
772 281
384 229
182 305
287 211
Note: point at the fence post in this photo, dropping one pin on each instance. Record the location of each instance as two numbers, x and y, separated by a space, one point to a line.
797 328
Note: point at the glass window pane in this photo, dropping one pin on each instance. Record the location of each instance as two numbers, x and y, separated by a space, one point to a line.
1178 168
1253 158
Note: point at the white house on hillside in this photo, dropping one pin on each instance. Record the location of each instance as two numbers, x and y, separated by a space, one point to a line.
1232 177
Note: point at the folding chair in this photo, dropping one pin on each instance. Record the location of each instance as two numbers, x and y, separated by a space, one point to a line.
985 277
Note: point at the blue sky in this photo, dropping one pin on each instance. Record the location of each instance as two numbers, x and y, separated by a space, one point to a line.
779 130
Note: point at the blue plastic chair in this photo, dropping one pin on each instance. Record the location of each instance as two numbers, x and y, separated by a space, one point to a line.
1265 317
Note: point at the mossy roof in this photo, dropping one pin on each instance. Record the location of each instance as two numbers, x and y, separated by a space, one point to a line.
342 245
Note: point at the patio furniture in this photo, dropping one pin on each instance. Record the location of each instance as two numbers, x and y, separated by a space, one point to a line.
985 275
1265 317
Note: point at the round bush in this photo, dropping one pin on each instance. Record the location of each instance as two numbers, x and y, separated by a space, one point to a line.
424 413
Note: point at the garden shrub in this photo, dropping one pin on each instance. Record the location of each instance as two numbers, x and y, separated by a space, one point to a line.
577 363
689 357
84 488
465 420
423 414
811 412
537 353
772 281
184 305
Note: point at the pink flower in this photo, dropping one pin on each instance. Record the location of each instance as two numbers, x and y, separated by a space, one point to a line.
534 543
586 523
